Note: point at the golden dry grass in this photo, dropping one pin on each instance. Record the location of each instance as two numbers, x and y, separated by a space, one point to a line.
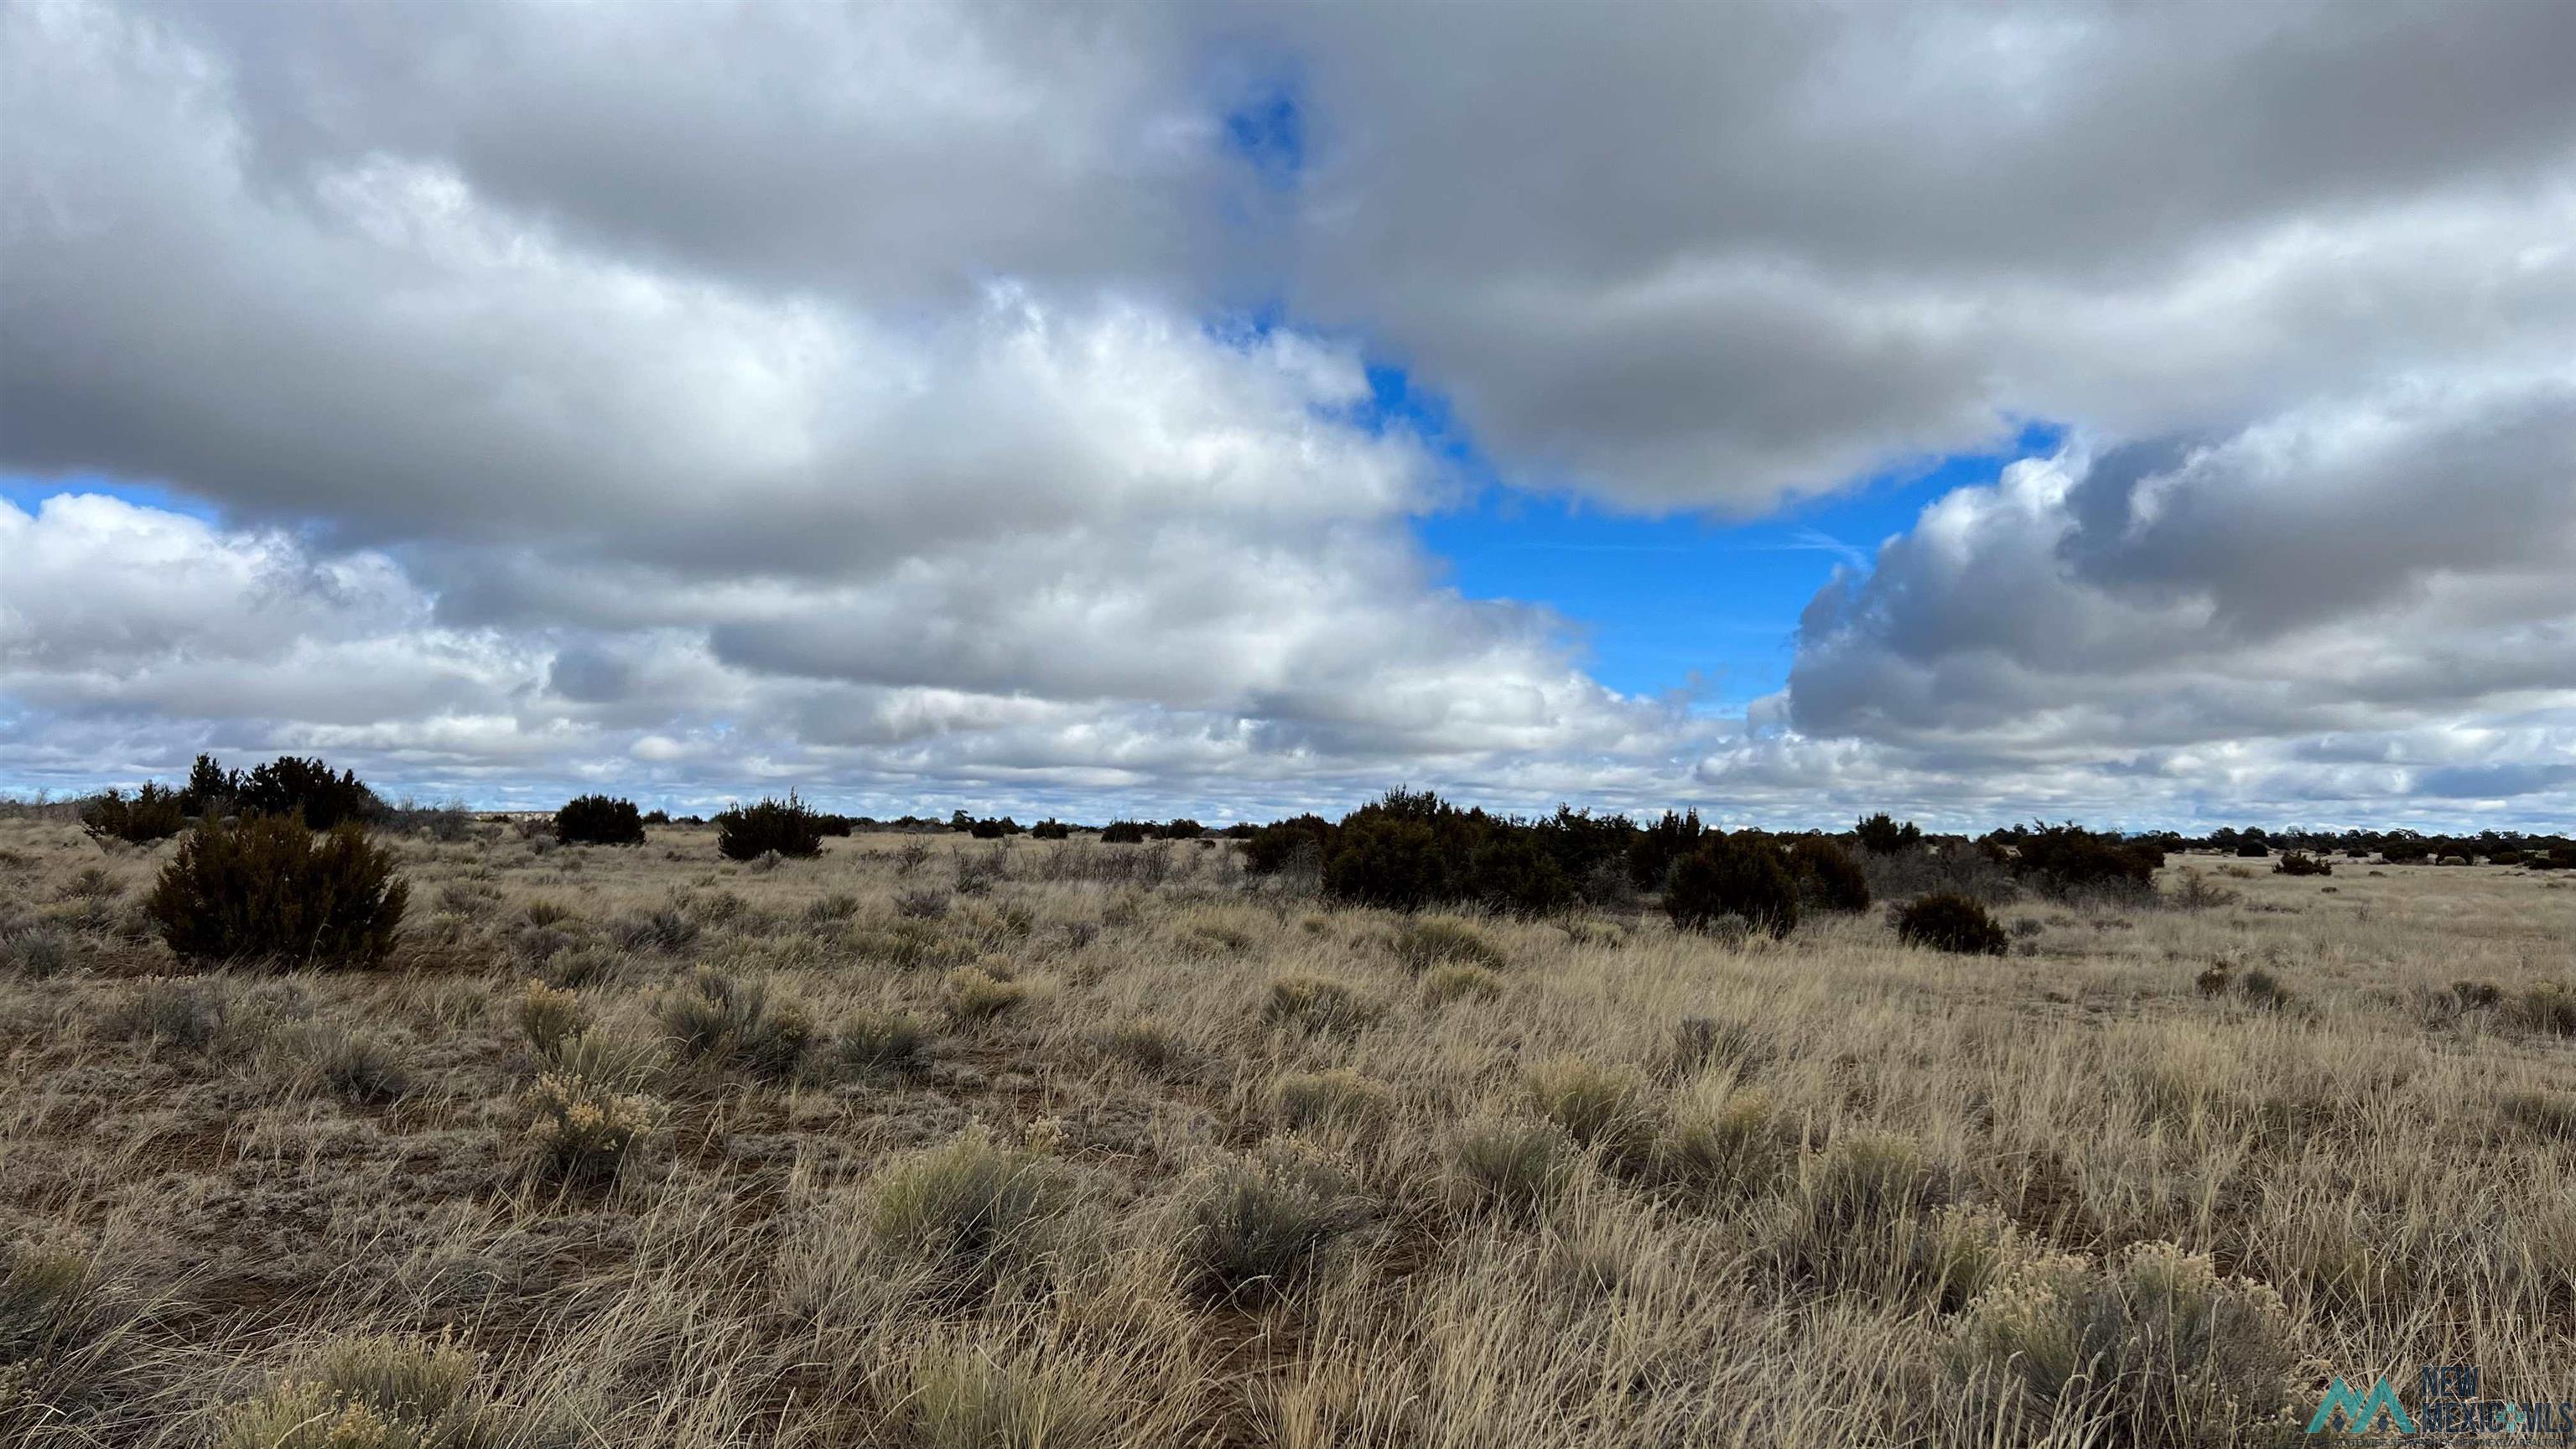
1080 1145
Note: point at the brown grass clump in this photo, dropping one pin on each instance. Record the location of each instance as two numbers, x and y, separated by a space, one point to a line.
1254 1230
1514 1167
872 1042
1315 1004
1432 941
970 1209
977 994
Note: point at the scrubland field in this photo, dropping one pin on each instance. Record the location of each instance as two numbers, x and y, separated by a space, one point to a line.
956 1144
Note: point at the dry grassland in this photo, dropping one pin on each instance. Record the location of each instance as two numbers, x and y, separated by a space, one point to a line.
933 1142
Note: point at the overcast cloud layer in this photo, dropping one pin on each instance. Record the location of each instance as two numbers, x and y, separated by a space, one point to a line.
695 400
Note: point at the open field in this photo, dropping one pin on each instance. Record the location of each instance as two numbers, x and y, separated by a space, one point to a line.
1183 1157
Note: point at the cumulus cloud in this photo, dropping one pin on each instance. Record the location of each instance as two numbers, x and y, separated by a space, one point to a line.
2355 599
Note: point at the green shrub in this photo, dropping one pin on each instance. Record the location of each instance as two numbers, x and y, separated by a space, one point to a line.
39 953
1951 923
2299 862
1281 846
1881 835
598 820
1853 1214
785 827
306 790
1123 832
321 1057
1733 875
2061 860
545 1015
1181 829
2263 991
1511 871
2154 1348
1050 829
153 814
1653 850
1732 1146
1701 1043
160 1010
268 888
1828 878
1147 1044
1254 1230
2547 1007
1381 860
209 791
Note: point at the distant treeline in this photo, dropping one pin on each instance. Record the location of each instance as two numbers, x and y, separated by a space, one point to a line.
1408 847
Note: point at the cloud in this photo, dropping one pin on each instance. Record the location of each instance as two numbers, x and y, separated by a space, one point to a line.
1738 255
2357 599
708 397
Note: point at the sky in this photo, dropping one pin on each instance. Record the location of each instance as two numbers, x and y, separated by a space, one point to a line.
2156 416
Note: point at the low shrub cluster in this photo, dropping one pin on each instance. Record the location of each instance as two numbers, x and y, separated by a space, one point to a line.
583 1131
727 1021
1746 876
2299 862
1951 923
786 827
2155 1347
154 813
1410 849
369 1393
2067 860
599 820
